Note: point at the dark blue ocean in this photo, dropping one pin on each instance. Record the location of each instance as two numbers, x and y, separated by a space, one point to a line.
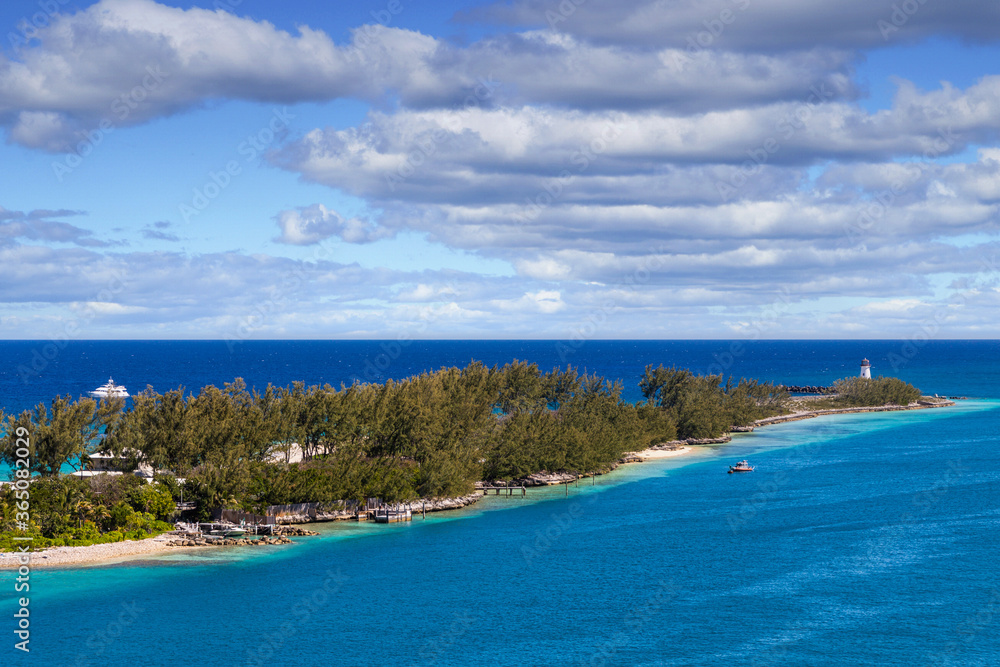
859 540
34 371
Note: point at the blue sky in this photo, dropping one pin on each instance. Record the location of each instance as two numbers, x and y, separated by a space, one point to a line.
522 169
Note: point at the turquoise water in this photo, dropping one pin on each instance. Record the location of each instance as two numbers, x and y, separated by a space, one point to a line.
860 539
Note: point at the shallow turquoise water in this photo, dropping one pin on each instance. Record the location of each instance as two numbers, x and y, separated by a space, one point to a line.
860 539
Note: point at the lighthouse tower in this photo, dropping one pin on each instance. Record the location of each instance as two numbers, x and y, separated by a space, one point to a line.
866 369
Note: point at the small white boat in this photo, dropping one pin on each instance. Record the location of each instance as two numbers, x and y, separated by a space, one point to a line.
742 466
110 390
228 532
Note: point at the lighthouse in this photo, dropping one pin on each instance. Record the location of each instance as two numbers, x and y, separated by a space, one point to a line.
866 369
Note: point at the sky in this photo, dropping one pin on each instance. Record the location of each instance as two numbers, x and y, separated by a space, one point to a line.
564 169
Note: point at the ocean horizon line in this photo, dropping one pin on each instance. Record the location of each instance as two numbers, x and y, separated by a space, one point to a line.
487 340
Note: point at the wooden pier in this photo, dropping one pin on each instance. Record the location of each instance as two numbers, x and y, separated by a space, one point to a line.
379 512
505 490
393 516
207 527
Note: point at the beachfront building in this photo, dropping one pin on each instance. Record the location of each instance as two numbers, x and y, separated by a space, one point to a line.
866 369
109 464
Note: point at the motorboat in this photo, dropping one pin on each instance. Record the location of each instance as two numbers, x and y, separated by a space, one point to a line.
110 390
742 466
228 532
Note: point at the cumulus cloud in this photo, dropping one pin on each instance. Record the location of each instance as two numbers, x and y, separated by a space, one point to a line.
125 62
513 182
76 275
38 226
158 232
543 301
128 61
265 296
309 225
250 296
542 67
452 153
425 292
654 161
757 25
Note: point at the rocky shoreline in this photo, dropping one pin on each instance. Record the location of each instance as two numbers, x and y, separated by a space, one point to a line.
102 553
199 540
660 451
811 414
425 505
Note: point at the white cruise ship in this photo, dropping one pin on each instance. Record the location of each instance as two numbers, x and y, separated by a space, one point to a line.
110 390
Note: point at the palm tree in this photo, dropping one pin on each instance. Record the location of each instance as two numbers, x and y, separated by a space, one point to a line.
100 514
84 508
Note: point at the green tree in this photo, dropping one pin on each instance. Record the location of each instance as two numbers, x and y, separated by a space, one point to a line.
878 391
154 499
64 433
522 388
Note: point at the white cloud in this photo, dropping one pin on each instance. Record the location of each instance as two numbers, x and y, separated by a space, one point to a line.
125 62
309 225
890 307
752 25
603 159
422 154
542 301
104 308
426 292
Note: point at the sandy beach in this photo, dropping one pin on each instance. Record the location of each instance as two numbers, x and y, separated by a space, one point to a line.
97 553
653 454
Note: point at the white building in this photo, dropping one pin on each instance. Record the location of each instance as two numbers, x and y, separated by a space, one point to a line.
109 464
866 369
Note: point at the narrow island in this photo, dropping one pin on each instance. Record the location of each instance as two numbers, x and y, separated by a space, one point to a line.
436 441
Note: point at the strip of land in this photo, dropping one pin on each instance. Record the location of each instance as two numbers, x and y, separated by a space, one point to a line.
138 549
803 410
